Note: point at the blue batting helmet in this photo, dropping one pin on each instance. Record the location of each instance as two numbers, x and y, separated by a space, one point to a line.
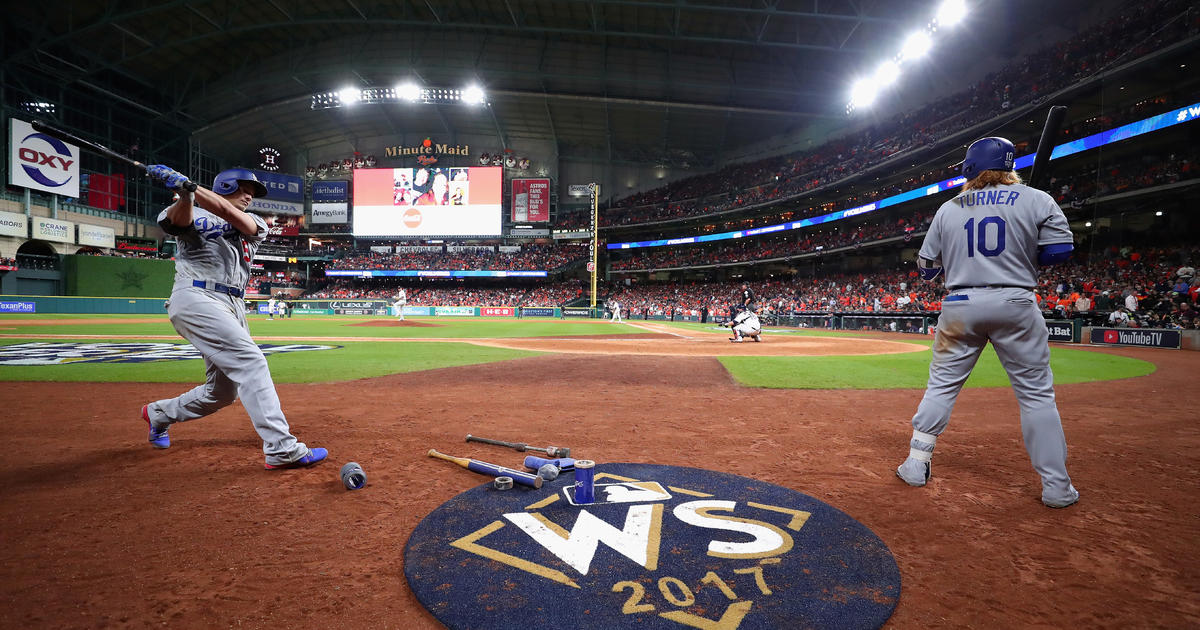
988 154
227 182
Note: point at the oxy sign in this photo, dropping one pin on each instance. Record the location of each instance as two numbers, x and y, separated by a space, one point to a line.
41 162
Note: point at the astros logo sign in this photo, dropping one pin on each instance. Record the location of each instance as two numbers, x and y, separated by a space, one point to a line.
661 547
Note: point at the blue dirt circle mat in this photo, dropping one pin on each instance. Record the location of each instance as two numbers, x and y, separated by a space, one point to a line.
661 547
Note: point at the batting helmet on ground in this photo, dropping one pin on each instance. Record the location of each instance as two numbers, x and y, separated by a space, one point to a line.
227 182
988 154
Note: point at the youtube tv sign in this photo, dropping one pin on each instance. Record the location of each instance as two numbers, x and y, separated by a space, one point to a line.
1144 337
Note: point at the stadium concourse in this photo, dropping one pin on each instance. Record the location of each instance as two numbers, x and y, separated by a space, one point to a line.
451 197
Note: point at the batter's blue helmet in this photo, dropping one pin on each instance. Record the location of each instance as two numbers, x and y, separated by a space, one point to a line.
227 182
988 154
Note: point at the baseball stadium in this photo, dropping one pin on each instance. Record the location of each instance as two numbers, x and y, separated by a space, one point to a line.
600 314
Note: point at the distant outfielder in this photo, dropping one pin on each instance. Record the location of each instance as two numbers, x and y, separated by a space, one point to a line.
401 300
990 240
745 324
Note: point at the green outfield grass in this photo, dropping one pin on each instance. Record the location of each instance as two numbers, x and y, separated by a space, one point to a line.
355 359
331 326
351 361
911 370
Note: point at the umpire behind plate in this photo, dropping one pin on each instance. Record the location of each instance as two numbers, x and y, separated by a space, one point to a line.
989 240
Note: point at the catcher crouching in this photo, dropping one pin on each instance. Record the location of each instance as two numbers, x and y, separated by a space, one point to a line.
745 324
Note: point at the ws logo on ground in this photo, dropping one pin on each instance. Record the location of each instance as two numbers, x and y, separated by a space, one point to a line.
45 353
661 547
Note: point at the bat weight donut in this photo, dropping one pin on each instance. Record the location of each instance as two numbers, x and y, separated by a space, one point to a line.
503 483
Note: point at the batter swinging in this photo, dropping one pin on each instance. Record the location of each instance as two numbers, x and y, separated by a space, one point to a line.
217 239
990 240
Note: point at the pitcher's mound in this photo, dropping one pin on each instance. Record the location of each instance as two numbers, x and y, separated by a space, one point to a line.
392 323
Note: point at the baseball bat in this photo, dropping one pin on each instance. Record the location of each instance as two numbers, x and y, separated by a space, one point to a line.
474 465
1037 173
563 463
552 451
94 147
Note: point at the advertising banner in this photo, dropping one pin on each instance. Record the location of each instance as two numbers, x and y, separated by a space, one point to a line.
13 224
41 162
53 230
282 187
264 205
497 311
530 200
134 244
538 311
423 311
1144 337
577 190
330 212
576 311
1061 330
97 236
18 307
330 191
454 311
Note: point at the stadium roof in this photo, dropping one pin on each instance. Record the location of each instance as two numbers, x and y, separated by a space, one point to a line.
638 81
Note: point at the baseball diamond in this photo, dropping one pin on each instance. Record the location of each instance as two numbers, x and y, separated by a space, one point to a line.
600 314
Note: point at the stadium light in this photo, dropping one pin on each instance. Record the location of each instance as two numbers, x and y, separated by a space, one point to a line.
951 12
916 46
863 93
887 73
409 92
349 95
473 95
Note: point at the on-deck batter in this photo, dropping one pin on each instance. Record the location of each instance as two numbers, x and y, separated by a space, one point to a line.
989 240
216 242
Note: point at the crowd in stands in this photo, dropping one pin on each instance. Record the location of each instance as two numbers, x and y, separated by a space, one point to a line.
1138 30
8 262
261 283
1139 171
531 257
1152 287
549 294
765 248
37 261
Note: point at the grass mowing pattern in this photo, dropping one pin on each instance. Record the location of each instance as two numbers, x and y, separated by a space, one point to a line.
354 360
911 370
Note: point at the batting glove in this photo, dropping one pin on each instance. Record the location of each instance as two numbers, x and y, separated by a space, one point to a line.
170 177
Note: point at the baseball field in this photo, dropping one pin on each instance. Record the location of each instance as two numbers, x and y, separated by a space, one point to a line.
104 531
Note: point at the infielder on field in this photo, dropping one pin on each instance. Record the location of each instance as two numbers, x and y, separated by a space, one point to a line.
989 241
401 300
615 307
217 240
745 324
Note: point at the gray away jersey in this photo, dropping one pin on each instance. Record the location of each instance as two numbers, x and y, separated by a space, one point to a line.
212 249
990 237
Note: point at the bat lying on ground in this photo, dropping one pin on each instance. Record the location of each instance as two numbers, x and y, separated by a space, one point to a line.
49 130
563 463
474 465
552 451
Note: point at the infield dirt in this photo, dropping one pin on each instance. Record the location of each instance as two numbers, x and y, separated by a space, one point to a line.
101 530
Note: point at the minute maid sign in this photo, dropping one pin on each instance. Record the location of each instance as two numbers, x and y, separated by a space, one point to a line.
662 547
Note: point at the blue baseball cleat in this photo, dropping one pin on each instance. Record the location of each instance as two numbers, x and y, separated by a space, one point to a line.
158 437
315 455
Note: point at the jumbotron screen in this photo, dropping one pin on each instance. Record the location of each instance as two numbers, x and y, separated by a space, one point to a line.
427 201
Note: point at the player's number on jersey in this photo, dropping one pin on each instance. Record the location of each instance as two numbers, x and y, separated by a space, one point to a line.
981 237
